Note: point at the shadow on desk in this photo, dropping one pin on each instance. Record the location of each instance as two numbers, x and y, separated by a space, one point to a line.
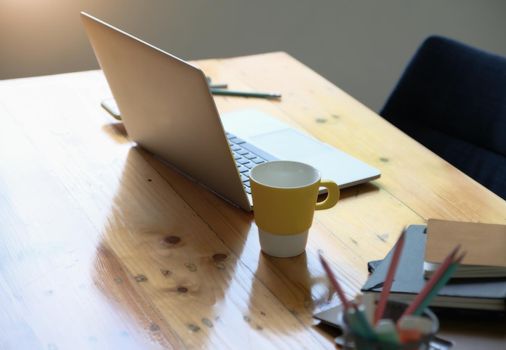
358 190
116 131
486 328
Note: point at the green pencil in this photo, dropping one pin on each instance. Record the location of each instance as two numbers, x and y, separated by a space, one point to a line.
437 287
266 95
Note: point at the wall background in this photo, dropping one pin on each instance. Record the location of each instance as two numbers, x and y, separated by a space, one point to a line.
361 46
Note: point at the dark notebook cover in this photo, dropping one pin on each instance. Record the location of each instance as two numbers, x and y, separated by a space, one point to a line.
409 280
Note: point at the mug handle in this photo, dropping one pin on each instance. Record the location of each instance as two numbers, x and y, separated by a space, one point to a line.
332 195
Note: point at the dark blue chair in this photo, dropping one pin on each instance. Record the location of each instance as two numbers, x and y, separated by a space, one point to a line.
452 99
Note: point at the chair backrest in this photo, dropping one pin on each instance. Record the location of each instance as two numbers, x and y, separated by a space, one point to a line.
452 99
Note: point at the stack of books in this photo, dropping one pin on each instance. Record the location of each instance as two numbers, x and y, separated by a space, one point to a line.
478 283
484 244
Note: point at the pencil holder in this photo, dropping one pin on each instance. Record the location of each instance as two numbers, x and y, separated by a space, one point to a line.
393 311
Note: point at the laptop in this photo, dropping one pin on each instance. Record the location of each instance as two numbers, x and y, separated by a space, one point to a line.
167 108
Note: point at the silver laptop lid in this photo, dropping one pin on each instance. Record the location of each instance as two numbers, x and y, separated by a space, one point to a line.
167 108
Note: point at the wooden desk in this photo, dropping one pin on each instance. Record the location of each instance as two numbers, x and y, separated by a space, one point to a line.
103 246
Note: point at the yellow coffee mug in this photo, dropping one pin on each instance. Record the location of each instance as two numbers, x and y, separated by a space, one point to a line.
285 197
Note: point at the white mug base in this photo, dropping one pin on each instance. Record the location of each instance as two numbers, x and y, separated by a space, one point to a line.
282 246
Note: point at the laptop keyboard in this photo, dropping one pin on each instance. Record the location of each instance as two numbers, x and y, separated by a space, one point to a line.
246 157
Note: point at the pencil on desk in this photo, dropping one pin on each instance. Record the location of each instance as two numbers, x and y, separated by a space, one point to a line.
215 86
387 285
218 86
224 92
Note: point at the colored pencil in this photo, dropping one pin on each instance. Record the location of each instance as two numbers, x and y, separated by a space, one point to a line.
267 95
387 285
365 326
437 287
335 284
218 86
431 283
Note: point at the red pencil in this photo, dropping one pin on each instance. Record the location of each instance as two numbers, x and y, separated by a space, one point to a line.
335 284
387 285
432 281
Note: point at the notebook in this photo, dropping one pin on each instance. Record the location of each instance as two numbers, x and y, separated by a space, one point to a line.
167 108
484 244
409 280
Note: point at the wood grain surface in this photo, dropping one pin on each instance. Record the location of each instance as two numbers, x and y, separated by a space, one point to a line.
104 246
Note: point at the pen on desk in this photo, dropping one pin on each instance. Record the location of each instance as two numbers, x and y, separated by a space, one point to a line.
224 92
387 285
335 284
